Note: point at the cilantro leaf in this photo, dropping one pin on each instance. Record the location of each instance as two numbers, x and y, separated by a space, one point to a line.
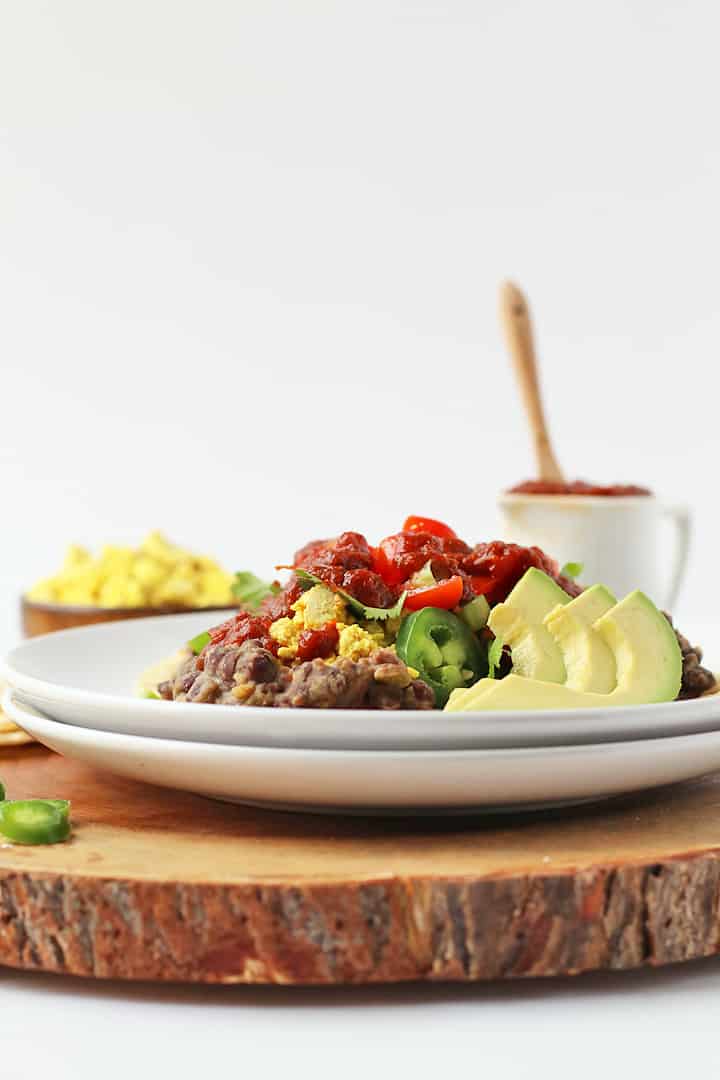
307 580
250 591
572 570
198 643
495 656
376 613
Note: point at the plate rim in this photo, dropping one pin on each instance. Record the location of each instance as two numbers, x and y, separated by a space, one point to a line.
691 710
472 753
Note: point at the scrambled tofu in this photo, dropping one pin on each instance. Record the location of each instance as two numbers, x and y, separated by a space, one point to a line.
317 607
157 574
286 632
356 642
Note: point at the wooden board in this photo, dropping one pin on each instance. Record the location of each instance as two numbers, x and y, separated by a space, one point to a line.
160 885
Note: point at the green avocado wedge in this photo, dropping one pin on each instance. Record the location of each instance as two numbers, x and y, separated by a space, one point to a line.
647 658
647 654
518 622
589 660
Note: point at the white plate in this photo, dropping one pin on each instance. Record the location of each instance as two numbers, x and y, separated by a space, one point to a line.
86 676
383 781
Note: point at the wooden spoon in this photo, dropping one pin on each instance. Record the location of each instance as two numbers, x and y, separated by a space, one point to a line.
517 324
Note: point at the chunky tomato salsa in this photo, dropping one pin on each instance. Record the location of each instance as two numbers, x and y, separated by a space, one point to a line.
426 561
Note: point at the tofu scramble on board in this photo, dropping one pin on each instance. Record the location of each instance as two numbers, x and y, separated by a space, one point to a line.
155 574
425 621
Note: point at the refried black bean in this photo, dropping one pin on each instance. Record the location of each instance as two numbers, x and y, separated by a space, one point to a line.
696 679
248 674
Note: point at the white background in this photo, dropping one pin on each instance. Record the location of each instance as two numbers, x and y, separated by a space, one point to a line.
249 255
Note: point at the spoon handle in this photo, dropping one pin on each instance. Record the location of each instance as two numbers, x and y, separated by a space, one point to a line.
517 324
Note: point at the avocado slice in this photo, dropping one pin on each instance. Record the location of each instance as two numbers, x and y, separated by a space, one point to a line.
647 654
517 692
647 658
589 661
519 623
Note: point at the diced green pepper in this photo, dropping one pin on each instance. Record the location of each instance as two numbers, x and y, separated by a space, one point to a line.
424 578
442 649
475 614
197 644
35 821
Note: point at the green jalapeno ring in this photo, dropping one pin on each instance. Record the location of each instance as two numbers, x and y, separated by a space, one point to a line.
35 821
443 649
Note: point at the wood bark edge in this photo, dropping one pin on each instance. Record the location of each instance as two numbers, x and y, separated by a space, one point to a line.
370 931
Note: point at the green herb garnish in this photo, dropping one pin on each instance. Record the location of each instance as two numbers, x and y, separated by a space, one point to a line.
374 613
197 644
495 656
250 591
572 570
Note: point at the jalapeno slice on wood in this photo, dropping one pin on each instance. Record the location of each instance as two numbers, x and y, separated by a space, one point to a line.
442 649
35 821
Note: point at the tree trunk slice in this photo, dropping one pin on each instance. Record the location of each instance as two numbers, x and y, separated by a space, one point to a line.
166 886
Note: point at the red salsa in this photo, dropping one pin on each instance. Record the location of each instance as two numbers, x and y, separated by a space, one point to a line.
318 643
576 487
378 576
245 626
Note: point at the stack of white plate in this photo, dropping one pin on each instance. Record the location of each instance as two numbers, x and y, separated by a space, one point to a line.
74 691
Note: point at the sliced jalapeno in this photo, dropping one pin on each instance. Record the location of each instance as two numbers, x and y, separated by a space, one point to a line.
35 821
442 649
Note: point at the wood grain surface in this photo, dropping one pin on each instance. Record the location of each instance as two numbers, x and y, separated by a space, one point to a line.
38 617
161 885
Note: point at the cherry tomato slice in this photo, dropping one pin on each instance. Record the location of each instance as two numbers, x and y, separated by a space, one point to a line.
385 567
427 525
446 594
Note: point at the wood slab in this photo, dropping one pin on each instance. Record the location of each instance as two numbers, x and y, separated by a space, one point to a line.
166 886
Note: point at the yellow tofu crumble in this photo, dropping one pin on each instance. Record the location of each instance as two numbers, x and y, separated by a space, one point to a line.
355 642
317 607
156 574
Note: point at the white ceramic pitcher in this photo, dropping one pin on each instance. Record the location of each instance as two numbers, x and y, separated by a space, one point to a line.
618 539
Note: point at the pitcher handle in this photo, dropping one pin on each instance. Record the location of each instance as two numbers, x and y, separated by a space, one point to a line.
681 518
